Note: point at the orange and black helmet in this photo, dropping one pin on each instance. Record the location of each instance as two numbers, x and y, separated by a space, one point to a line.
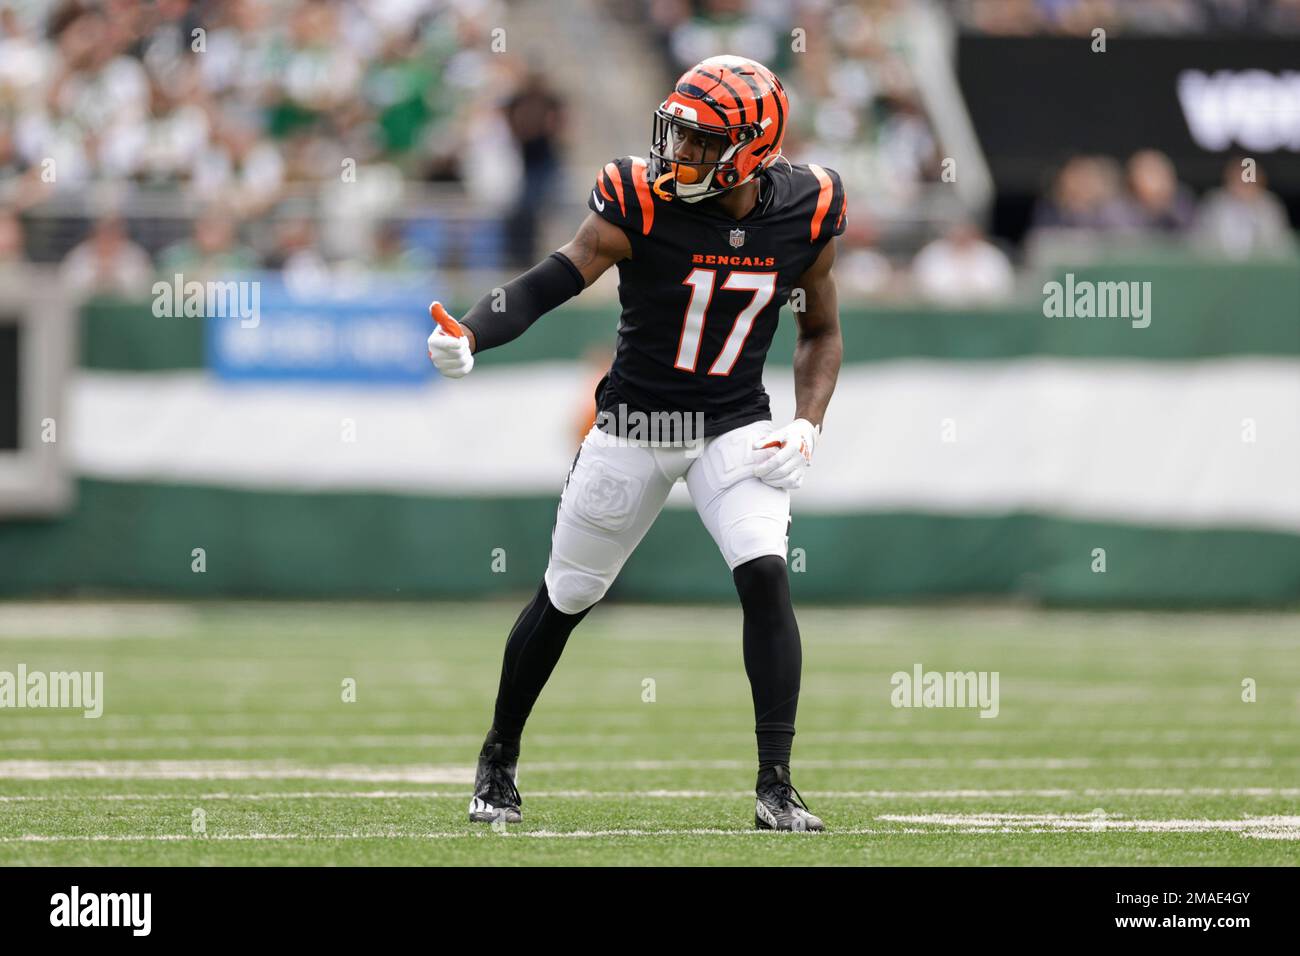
740 108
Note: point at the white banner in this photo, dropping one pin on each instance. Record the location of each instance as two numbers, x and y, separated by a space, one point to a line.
1196 444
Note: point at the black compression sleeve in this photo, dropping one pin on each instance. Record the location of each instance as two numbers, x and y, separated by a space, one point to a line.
522 301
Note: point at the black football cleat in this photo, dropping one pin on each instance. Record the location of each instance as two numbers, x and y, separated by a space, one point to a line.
779 806
495 795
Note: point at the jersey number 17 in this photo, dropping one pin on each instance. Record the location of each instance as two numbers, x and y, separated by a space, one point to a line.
701 281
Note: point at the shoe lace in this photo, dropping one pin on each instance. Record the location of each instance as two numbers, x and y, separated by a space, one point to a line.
790 795
503 785
786 795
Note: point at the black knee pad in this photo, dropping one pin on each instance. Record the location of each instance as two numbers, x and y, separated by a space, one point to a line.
764 576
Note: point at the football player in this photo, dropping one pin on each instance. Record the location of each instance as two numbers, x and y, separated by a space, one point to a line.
710 234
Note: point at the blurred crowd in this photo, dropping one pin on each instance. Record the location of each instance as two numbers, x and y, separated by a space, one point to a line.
1240 219
273 132
289 134
1081 17
1093 204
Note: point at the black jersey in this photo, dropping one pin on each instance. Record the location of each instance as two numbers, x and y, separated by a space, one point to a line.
702 292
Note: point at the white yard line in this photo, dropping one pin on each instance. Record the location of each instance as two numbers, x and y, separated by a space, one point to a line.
1096 821
272 727
484 833
1269 827
958 794
226 770
460 773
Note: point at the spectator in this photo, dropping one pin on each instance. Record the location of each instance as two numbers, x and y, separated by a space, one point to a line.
174 137
25 62
12 166
1243 219
99 89
396 88
1283 17
860 268
535 115
318 71
1158 202
724 25
392 255
962 268
212 251
1003 17
1085 195
108 263
13 252
297 256
20 182
242 171
1080 17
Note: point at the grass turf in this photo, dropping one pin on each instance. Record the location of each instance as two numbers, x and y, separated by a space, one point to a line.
1122 739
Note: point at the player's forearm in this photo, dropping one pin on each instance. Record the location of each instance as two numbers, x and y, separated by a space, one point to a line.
504 314
817 359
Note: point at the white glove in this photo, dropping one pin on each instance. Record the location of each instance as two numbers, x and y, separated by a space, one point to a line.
450 353
784 467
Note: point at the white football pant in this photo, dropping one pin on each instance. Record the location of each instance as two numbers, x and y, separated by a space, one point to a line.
616 489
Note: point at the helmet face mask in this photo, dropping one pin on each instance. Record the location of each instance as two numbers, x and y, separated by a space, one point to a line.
708 139
691 180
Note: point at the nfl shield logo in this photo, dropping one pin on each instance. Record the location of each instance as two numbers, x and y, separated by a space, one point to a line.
737 238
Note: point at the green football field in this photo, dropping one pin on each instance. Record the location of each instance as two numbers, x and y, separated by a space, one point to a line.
1121 738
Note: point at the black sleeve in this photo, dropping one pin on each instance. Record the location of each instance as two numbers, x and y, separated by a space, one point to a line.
505 314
